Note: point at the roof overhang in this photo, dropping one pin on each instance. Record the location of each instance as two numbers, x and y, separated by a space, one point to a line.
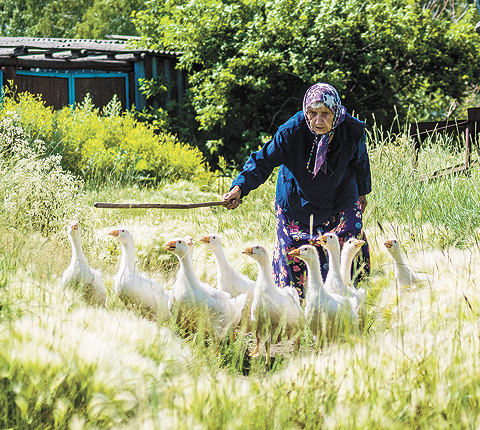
111 54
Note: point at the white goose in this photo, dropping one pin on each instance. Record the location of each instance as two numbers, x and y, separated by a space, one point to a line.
136 288
350 249
276 313
334 282
404 276
192 297
79 274
228 278
181 288
338 309
181 276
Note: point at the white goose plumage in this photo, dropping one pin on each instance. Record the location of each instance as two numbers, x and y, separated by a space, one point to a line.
182 291
337 309
350 249
181 277
228 278
404 276
333 283
79 274
191 296
136 288
276 313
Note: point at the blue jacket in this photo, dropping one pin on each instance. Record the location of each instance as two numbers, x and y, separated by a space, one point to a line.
298 193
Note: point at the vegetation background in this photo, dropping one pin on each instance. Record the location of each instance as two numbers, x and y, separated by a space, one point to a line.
69 366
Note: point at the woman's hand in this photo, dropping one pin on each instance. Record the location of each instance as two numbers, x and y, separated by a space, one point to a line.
362 200
233 198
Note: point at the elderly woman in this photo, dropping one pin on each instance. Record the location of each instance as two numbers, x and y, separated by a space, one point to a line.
322 182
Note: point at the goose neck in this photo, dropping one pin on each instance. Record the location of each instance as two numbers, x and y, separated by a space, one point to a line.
398 259
264 274
128 256
334 260
220 257
346 267
315 281
77 250
186 262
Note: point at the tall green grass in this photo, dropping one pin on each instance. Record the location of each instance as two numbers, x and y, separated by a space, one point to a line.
68 366
438 212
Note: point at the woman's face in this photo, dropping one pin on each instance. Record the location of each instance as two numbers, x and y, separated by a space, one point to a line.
320 119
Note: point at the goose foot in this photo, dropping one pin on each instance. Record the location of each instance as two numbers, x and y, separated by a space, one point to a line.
255 353
256 350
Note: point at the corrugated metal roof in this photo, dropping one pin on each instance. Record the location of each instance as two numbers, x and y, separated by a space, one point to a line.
17 46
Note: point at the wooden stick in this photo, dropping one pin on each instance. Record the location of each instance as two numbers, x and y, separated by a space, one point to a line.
157 205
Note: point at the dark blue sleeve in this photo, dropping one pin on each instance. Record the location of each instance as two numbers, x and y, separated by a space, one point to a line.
261 163
361 164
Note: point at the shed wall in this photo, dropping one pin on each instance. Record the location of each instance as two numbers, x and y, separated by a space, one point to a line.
52 90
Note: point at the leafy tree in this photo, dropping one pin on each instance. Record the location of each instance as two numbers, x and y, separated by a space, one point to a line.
19 18
250 61
109 17
68 18
60 18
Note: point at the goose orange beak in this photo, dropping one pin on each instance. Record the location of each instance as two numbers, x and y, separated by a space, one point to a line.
248 251
170 246
114 233
205 239
388 244
359 243
294 252
322 240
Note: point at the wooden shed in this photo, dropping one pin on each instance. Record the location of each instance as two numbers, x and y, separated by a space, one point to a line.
63 71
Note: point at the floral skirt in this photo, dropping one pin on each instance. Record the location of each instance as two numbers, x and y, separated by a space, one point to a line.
291 271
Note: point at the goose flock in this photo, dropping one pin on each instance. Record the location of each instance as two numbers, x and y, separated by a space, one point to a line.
330 309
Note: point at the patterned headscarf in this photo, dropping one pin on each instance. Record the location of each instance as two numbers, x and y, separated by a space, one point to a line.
328 95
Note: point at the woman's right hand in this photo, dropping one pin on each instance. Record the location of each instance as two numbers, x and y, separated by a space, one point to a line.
233 198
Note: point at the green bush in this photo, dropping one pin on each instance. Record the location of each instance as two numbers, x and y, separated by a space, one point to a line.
35 191
108 145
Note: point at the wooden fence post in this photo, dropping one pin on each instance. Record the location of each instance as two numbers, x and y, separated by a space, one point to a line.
473 117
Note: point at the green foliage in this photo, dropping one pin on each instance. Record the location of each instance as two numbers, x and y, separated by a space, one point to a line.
250 62
108 145
35 190
68 18
44 18
154 114
106 17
